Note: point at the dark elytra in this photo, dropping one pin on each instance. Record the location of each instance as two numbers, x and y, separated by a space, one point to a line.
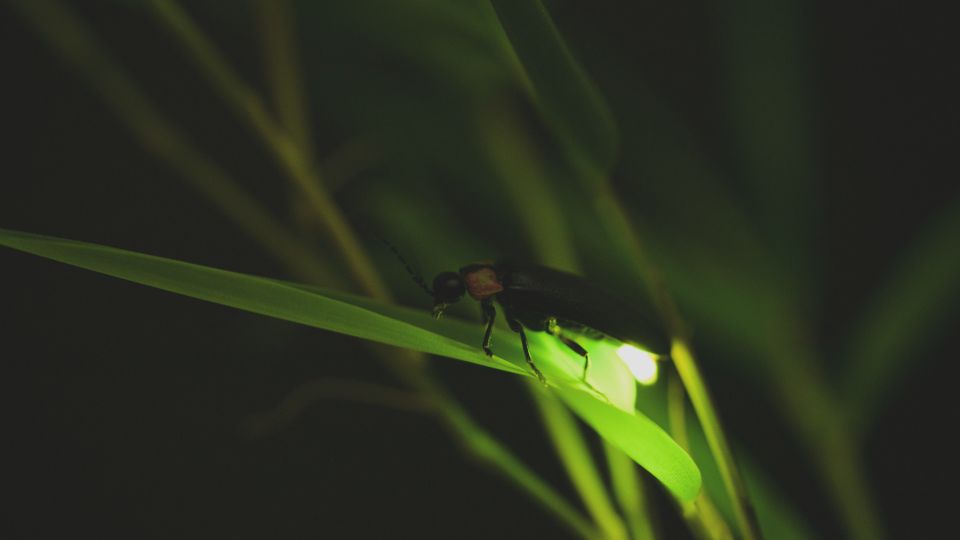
544 299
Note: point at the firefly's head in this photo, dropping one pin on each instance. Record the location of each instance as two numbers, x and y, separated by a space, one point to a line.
448 288
479 280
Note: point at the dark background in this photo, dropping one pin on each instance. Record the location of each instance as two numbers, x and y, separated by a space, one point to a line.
125 404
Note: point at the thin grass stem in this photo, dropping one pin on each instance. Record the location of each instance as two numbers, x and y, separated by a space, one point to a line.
578 462
630 493
278 31
696 387
72 40
677 412
702 516
297 164
831 443
292 406
479 443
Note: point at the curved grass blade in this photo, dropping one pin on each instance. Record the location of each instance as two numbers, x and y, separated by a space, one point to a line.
768 91
260 295
910 306
637 436
608 375
574 453
569 99
641 439
777 516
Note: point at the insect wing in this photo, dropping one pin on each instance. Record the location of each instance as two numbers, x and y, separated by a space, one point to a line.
536 292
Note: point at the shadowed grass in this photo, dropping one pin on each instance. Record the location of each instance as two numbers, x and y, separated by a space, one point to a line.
565 94
910 305
73 42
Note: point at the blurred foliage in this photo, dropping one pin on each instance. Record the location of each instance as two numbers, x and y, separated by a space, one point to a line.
464 130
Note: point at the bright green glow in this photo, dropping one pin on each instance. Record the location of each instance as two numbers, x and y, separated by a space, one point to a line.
642 364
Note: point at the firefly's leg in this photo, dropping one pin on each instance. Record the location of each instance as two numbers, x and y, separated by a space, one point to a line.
489 314
554 329
577 348
518 328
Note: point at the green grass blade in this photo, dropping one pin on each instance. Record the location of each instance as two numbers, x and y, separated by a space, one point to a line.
579 463
778 519
636 435
278 36
71 39
777 516
629 491
641 439
769 94
490 449
299 167
568 98
261 295
693 381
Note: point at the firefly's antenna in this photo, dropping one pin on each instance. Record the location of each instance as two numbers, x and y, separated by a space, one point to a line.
417 278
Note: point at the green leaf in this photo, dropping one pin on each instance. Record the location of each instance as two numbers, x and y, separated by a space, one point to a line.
264 296
637 436
568 98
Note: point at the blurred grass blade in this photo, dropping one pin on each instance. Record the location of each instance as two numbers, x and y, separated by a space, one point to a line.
281 60
695 385
909 307
778 520
73 41
519 166
298 165
579 463
636 435
488 448
568 98
777 516
629 491
770 110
